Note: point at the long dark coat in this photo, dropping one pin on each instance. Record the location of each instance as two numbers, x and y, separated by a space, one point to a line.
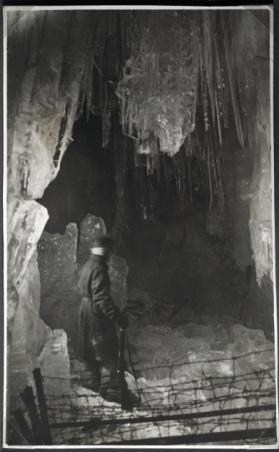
97 313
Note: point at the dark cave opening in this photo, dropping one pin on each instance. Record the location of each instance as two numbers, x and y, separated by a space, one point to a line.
85 183
159 220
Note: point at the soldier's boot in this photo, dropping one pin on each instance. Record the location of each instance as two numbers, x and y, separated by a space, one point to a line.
93 366
110 388
96 379
114 390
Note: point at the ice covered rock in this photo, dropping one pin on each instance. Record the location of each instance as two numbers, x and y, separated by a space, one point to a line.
196 330
55 364
238 331
28 333
58 271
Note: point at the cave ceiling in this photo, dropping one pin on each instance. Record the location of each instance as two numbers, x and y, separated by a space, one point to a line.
163 70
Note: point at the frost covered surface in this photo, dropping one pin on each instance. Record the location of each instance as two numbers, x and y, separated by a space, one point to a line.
239 375
58 267
159 89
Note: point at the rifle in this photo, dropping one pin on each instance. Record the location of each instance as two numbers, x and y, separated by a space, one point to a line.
126 402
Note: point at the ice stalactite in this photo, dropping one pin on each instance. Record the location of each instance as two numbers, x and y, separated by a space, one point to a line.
159 85
172 84
182 88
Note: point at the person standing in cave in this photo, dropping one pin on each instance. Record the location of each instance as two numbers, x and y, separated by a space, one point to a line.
97 320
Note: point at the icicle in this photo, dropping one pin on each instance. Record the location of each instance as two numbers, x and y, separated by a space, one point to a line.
148 159
214 172
208 56
165 170
219 167
89 88
237 118
209 177
218 120
178 180
204 94
190 180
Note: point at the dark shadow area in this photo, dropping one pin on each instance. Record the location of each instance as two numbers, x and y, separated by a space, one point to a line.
85 183
161 220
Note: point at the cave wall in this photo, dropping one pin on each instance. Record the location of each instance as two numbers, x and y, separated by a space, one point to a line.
42 107
50 77
248 176
57 266
238 174
29 333
257 189
244 221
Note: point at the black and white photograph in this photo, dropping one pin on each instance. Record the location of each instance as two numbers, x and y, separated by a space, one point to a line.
139 228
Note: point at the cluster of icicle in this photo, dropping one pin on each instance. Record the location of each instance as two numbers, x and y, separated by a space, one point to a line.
174 66
174 78
159 85
97 89
182 86
183 77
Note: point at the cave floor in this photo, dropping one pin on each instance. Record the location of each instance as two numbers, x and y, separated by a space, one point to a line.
182 369
187 351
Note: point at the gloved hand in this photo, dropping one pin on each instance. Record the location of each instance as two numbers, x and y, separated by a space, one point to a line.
122 319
